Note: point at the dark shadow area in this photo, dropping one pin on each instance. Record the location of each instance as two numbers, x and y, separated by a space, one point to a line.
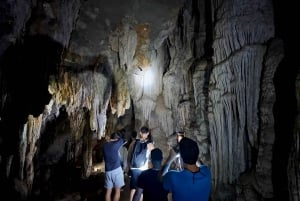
285 107
25 70
89 189
26 67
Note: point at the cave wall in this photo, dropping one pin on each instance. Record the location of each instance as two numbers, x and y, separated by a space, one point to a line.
205 67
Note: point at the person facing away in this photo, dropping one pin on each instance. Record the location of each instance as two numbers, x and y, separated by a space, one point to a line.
145 140
130 143
123 152
174 160
131 139
149 182
194 182
114 177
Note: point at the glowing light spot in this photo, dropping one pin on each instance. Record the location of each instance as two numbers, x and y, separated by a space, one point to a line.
148 77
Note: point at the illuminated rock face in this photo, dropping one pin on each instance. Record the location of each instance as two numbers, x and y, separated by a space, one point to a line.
72 72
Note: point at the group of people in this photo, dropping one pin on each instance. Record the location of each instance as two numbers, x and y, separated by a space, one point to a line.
181 176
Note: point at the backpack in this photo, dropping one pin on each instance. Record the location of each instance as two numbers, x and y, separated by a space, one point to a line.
139 154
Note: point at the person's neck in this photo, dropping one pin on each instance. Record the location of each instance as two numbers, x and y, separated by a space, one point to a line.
191 167
155 165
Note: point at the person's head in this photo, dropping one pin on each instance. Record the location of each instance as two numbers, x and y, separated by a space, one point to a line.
145 133
121 133
115 135
123 130
180 135
133 134
156 156
189 150
174 139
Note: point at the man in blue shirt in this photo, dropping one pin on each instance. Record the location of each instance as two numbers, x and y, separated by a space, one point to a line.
194 182
114 177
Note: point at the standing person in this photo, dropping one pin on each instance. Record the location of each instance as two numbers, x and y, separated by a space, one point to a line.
149 182
130 143
174 160
123 156
194 182
131 139
138 157
123 152
114 177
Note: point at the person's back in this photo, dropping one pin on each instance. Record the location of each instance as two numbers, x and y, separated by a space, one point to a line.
111 153
114 177
131 139
123 156
149 182
193 183
187 185
123 152
152 186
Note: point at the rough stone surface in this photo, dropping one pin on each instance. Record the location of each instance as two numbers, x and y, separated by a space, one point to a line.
205 67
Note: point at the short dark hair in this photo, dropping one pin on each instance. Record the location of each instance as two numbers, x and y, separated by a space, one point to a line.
115 135
189 150
156 154
133 134
144 129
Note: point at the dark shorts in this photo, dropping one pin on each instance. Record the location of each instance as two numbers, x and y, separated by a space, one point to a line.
135 173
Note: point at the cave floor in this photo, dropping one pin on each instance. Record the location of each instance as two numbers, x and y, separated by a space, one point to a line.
93 189
90 189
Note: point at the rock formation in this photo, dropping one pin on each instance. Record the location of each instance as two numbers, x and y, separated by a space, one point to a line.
72 72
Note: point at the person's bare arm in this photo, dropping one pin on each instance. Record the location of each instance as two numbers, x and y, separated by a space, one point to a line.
150 146
137 195
129 154
169 196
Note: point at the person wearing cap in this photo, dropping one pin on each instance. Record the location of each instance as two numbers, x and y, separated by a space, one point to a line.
174 161
149 182
114 177
194 182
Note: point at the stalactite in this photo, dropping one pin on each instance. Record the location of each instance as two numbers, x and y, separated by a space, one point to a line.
224 96
231 32
164 116
86 90
170 88
273 57
87 148
146 106
22 150
32 134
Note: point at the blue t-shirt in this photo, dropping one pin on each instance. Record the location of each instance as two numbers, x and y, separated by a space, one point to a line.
186 185
152 186
111 154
